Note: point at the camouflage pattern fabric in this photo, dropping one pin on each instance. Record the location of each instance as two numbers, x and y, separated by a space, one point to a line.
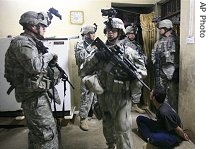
169 60
115 102
137 90
80 53
117 120
40 121
134 45
87 98
24 65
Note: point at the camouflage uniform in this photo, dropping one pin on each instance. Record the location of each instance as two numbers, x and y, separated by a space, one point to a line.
137 92
115 101
82 49
166 54
136 46
27 69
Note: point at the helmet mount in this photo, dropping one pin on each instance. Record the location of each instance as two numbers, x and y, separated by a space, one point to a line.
32 18
112 21
35 18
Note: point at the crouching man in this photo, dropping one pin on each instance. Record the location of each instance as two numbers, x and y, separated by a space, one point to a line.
166 131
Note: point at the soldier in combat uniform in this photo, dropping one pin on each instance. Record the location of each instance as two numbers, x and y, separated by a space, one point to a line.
130 41
165 57
27 69
115 101
82 49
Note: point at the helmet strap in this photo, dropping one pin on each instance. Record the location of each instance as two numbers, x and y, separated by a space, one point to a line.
37 34
88 39
166 30
112 41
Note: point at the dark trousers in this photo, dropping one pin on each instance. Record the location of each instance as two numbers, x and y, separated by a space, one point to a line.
148 129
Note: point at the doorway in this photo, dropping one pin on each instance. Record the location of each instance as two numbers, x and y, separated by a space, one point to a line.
130 15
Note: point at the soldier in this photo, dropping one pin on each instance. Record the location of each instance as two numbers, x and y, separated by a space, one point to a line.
131 32
82 49
27 69
115 100
165 57
130 41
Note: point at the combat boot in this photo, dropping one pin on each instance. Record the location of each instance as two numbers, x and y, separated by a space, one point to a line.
84 124
137 109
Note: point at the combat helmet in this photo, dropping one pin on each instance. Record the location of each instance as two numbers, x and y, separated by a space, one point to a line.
88 29
114 23
165 23
131 30
34 18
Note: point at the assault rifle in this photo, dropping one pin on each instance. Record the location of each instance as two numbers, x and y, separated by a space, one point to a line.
44 50
117 58
64 75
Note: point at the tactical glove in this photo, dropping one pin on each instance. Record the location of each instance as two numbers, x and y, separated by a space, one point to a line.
54 60
47 57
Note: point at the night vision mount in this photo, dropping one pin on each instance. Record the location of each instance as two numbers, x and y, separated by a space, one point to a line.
156 19
135 27
109 12
52 11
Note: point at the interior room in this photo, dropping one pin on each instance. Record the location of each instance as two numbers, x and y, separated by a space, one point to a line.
61 37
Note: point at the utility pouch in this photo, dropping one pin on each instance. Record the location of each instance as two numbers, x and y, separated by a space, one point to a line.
38 83
117 86
92 83
97 111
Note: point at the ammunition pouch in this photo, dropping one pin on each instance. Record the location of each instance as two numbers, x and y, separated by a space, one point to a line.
38 83
116 85
92 83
